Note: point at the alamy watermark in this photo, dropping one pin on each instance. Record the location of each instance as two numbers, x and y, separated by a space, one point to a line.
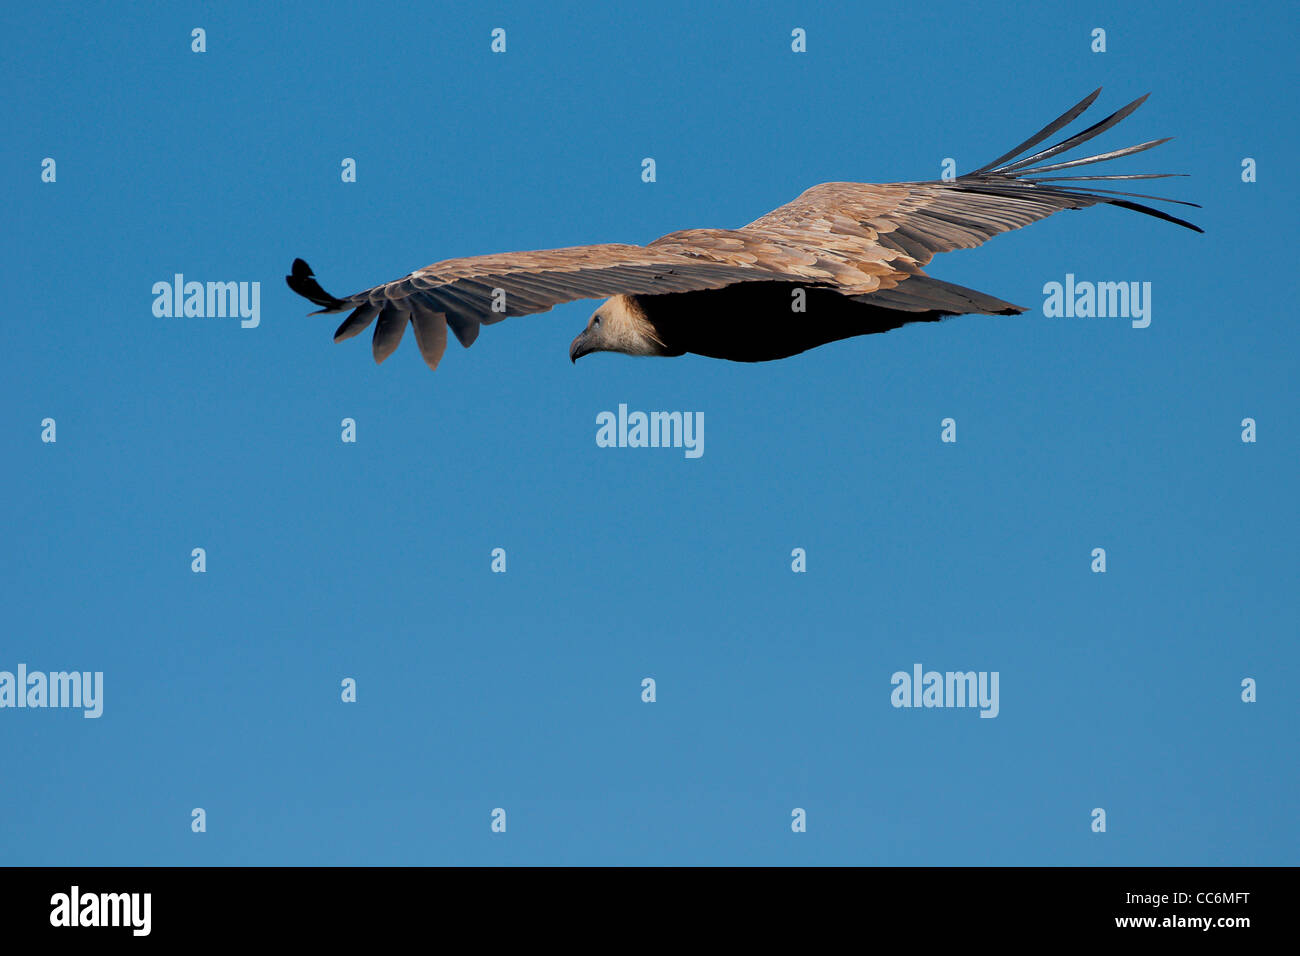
948 689
653 430
76 908
1086 300
211 300
83 689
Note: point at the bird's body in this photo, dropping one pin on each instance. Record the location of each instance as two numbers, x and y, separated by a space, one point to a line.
842 259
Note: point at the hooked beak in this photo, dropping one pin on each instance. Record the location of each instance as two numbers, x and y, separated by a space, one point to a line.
579 347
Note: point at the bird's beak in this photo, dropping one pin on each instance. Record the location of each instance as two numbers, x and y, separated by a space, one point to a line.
579 347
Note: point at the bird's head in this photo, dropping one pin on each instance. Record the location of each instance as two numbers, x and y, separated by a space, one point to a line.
619 325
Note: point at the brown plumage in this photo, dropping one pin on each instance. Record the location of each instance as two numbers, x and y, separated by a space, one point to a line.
855 250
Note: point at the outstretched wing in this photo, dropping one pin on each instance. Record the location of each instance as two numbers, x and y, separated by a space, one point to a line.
470 292
907 224
867 241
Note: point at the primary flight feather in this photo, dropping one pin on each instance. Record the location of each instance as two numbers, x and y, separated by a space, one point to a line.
856 251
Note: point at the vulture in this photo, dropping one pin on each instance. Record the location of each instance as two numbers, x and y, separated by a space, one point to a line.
840 260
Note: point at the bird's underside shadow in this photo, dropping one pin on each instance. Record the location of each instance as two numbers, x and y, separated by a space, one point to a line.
756 321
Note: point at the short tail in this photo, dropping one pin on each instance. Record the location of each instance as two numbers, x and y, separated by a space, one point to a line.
923 293
302 281
1006 177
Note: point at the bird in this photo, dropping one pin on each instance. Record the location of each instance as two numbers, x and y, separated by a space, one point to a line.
840 260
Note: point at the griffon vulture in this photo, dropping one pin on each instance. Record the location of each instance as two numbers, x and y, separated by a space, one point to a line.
855 249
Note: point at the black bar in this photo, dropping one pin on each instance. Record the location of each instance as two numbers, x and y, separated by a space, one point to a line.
373 904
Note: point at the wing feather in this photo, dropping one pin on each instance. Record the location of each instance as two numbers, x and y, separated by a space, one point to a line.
464 290
357 322
430 334
388 331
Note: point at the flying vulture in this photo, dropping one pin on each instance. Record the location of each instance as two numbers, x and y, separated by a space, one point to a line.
851 254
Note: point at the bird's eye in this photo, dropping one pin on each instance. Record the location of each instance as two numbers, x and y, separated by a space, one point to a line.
595 321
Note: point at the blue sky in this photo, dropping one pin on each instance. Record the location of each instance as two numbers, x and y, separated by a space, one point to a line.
522 690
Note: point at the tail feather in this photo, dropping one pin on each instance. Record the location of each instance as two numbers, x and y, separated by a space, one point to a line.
925 293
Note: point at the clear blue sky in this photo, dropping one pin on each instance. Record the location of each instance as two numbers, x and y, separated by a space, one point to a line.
522 690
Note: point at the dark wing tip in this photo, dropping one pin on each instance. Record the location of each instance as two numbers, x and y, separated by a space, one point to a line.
1157 213
302 281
